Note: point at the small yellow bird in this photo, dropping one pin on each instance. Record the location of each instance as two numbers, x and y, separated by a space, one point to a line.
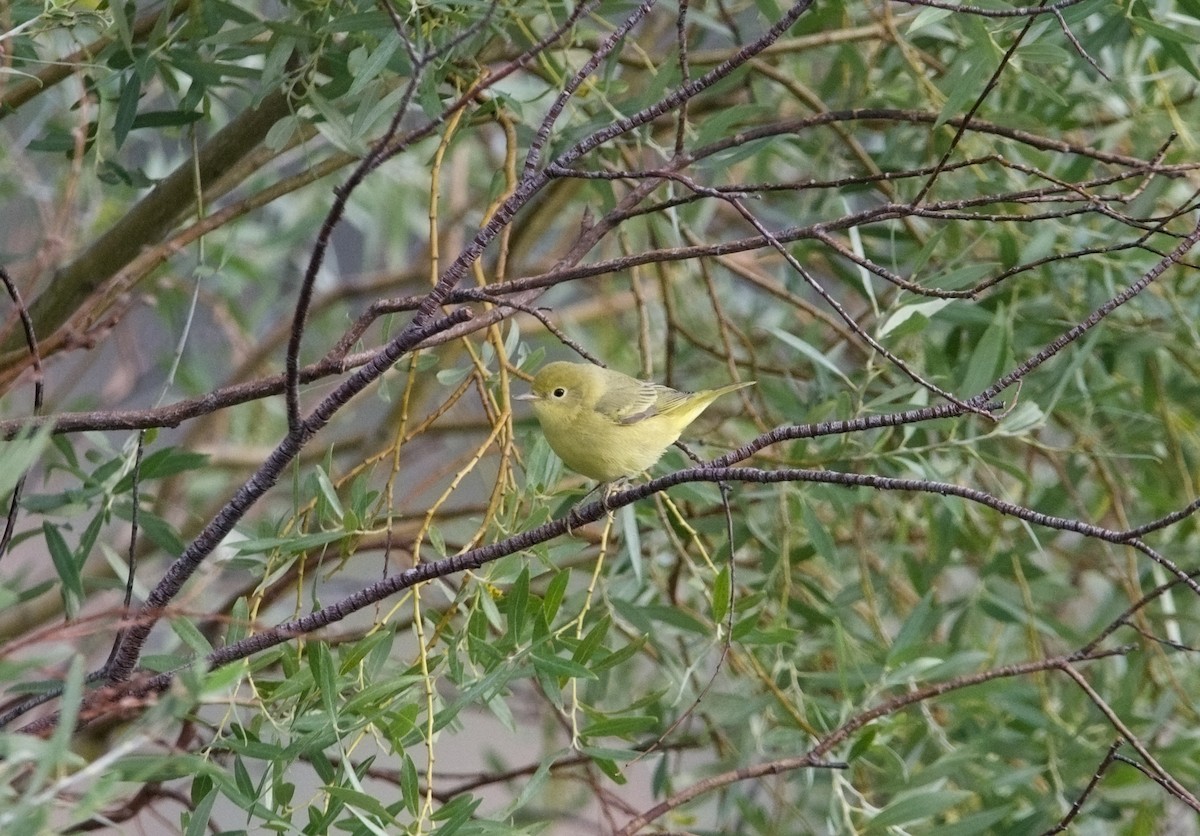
607 425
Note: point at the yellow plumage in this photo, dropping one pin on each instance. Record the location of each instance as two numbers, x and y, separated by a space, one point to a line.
607 425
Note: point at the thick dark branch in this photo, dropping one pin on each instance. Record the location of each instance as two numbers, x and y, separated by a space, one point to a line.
154 215
125 657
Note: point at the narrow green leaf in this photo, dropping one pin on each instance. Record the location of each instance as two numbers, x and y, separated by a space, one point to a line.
909 319
127 104
91 534
913 638
452 376
328 494
410 788
324 671
618 656
121 23
191 636
556 666
161 464
366 67
981 822
818 535
165 119
924 805
967 80
555 591
241 777
925 18
988 359
861 744
1181 56
72 698
531 790
19 454
239 621
720 594
281 132
334 125
632 540
455 813
592 641
64 564
542 467
626 726
159 531
437 540
676 618
360 801
812 353
606 760
288 545
516 604
198 818
1164 34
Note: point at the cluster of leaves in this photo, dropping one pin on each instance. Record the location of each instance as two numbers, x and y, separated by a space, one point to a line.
945 585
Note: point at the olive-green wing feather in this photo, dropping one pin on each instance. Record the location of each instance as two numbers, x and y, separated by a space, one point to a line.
626 399
630 402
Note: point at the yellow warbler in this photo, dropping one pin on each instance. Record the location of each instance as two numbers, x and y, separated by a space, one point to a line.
608 425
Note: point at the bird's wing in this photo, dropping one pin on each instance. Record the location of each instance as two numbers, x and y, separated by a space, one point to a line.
626 401
637 401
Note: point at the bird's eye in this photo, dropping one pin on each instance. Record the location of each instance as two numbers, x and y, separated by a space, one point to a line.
559 392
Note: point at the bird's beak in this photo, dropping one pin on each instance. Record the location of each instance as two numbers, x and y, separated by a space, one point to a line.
528 396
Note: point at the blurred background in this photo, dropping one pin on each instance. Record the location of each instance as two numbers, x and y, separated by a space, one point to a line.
872 210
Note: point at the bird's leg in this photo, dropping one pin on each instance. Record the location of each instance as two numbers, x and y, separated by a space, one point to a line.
572 520
607 489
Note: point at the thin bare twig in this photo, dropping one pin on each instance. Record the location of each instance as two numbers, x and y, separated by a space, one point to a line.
31 344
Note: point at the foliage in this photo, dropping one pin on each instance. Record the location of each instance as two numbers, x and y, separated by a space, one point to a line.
278 270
